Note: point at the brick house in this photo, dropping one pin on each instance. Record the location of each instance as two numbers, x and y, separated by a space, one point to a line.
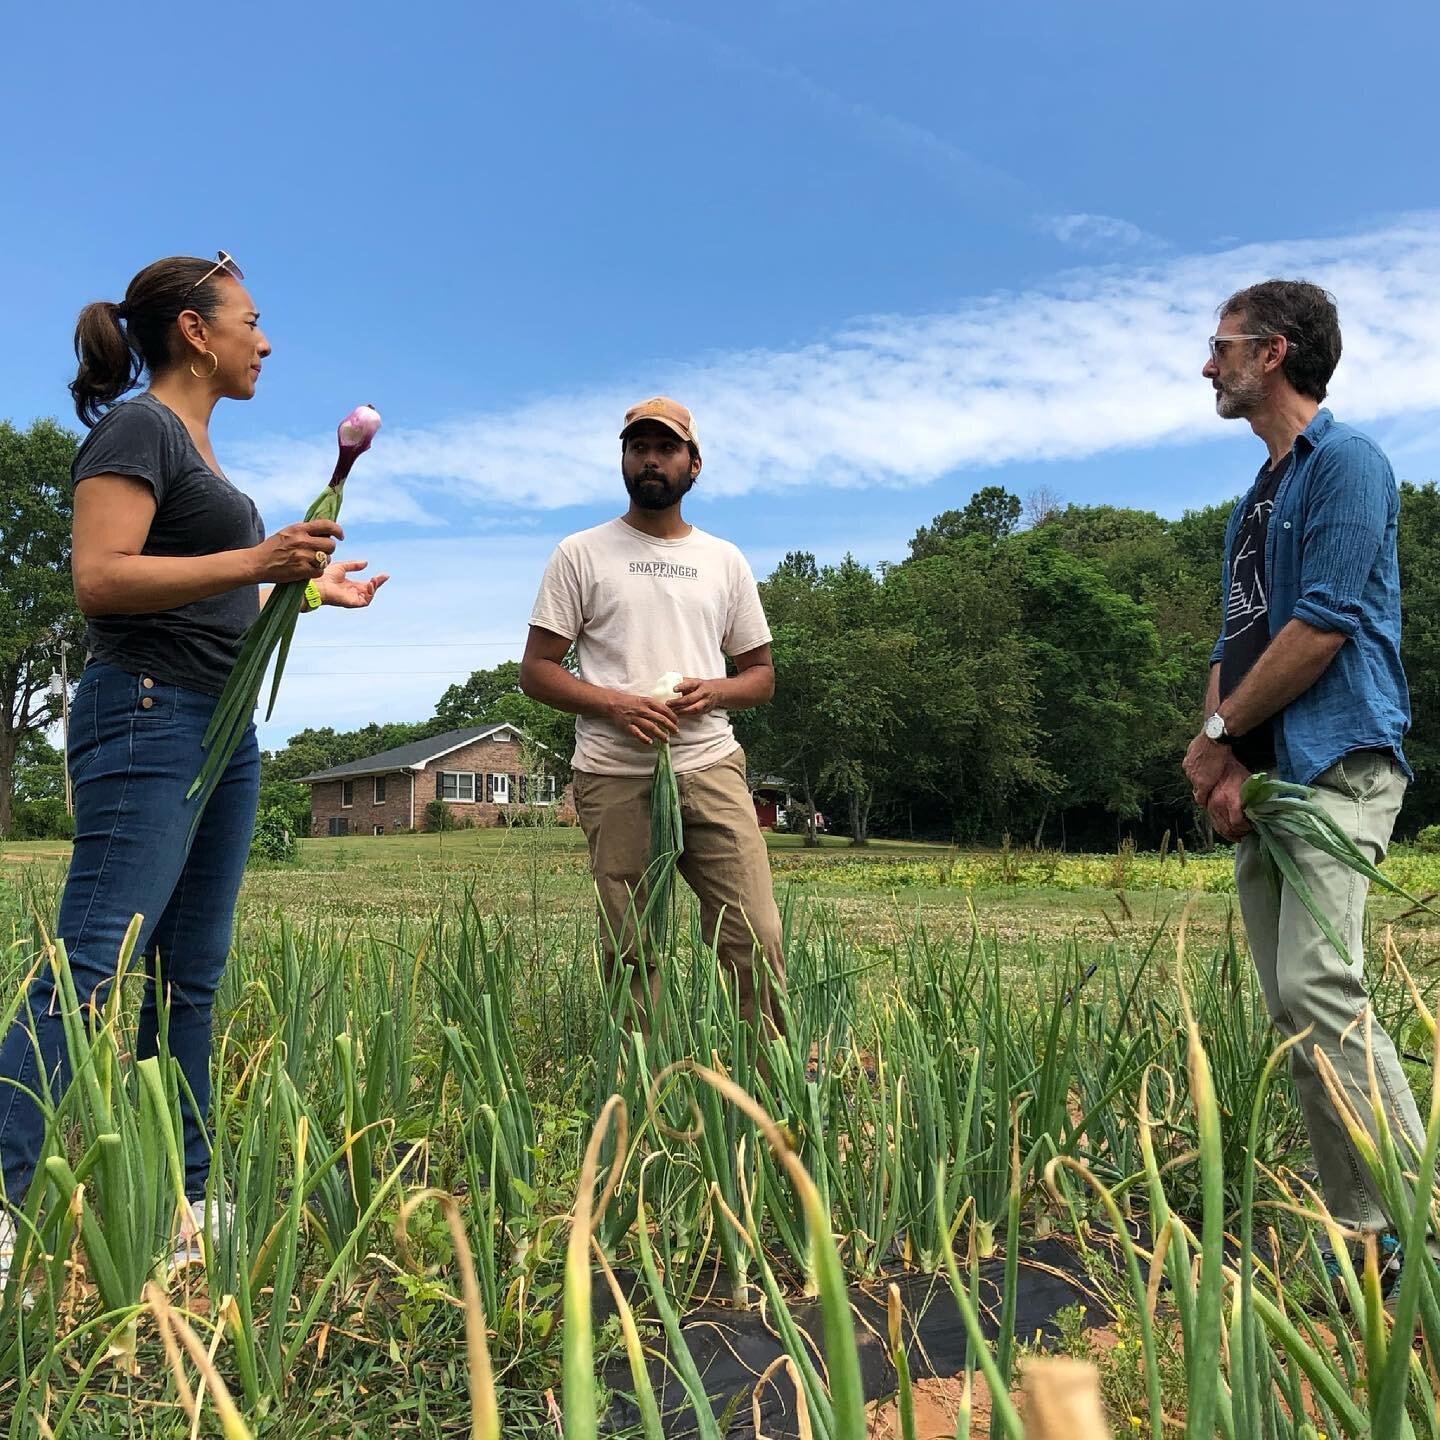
480 772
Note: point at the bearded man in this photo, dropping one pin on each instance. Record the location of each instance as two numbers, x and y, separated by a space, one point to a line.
639 596
1306 684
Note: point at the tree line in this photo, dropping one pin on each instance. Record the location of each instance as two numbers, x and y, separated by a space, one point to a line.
1035 676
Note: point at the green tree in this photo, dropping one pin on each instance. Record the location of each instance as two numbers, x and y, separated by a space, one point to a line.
37 605
781 739
991 514
1108 693
1419 546
464 704
969 744
1172 567
39 769
308 751
842 676
494 697
289 800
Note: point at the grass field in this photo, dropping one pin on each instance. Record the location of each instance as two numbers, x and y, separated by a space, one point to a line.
411 1018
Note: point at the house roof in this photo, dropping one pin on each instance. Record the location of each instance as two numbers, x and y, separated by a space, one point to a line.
415 756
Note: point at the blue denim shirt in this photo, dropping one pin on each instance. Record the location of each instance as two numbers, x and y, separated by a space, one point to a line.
1330 560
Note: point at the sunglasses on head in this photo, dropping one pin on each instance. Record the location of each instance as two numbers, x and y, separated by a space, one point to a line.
223 261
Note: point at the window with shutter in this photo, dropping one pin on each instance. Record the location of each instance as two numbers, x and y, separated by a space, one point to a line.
455 785
379 789
347 794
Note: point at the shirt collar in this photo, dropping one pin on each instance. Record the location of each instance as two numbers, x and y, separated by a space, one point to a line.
1314 432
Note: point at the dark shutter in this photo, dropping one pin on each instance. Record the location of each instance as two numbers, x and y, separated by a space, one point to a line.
489 788
439 778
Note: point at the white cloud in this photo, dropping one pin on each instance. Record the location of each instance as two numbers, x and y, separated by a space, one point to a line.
1098 232
1097 361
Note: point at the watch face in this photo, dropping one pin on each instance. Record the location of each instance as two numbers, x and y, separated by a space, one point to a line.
1214 727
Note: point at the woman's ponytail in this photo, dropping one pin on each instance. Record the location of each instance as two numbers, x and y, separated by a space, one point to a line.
109 364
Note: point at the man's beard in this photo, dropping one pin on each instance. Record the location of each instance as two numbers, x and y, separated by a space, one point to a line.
652 491
1238 398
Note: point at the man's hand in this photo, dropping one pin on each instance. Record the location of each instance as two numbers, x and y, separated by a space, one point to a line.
1206 764
1226 812
697 697
641 717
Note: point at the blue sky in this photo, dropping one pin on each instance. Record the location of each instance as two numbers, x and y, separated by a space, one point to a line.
888 254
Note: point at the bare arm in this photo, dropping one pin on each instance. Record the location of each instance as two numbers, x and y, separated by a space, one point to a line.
543 677
113 514
1293 661
1212 693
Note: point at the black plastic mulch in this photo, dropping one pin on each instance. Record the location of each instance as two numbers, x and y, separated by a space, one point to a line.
734 1347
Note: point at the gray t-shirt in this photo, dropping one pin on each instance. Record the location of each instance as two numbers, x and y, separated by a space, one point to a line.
197 512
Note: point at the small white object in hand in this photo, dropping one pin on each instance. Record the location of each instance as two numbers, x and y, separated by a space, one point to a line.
665 685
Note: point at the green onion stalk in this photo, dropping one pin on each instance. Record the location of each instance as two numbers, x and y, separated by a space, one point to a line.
667 836
1277 810
274 628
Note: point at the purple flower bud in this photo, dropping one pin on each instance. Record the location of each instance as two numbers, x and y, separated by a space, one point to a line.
356 432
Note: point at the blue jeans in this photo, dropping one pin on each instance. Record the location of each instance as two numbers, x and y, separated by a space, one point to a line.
134 751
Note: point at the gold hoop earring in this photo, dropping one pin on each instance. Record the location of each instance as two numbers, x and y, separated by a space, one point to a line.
214 366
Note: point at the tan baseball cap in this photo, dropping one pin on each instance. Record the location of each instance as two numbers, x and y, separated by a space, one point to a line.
669 413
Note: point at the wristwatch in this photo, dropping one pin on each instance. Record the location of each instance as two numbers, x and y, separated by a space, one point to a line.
1215 730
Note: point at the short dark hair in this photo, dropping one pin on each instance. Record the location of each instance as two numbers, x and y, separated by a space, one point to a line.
1306 316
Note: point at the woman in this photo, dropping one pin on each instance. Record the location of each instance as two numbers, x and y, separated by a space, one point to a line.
167 559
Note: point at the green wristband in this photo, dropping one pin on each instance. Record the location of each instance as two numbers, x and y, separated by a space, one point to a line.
312 595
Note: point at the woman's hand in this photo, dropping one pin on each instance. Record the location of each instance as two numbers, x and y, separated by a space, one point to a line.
298 552
336 588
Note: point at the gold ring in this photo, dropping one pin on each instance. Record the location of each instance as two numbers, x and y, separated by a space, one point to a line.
320 559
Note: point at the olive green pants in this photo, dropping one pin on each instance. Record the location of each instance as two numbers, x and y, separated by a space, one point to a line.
1306 982
724 862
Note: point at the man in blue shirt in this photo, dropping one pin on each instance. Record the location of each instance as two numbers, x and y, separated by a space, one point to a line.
1306 683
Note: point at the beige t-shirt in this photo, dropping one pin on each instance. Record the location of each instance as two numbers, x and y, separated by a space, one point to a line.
637 607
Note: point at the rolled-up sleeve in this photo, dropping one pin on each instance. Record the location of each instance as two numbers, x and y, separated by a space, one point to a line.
1348 510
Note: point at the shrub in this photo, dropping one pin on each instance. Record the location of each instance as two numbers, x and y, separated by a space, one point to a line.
1428 840
274 840
291 799
439 816
41 820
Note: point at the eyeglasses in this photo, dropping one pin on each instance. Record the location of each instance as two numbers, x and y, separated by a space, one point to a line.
226 262
1216 341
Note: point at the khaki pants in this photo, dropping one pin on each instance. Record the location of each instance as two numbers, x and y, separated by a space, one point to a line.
1307 983
724 862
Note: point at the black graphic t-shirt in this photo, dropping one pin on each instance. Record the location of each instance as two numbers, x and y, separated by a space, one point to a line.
1247 610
